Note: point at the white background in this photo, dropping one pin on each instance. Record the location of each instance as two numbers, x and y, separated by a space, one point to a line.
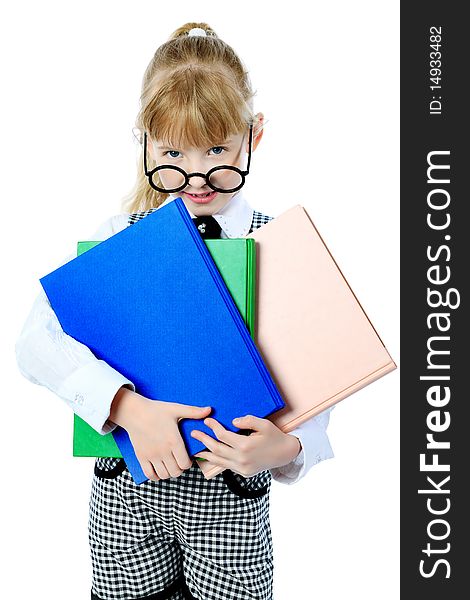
326 76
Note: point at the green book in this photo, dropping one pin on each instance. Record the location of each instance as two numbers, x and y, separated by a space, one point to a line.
236 262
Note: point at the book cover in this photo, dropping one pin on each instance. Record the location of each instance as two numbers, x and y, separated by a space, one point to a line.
235 261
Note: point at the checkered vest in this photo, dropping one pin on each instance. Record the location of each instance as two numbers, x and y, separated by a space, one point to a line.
259 218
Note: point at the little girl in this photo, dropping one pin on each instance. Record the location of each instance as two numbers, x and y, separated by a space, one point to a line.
179 535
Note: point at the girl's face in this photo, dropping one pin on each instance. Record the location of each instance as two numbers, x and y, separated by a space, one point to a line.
198 197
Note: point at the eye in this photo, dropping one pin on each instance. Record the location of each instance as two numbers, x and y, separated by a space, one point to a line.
221 148
171 153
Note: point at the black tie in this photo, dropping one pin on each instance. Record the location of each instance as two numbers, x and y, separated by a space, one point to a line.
207 227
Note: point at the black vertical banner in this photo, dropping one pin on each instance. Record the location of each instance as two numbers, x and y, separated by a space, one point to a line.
435 269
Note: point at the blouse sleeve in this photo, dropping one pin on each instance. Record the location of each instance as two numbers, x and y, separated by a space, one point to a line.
47 356
315 447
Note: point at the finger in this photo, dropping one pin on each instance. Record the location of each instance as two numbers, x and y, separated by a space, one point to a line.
172 466
149 471
212 458
181 456
160 469
184 411
219 448
250 422
230 438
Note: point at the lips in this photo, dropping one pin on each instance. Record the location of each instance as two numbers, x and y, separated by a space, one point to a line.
200 195
201 198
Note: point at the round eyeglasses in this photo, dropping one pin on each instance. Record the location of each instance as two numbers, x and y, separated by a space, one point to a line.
223 178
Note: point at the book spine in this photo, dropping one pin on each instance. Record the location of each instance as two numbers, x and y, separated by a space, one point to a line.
251 285
288 426
278 401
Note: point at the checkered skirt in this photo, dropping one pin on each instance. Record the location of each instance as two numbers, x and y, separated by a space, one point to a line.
181 537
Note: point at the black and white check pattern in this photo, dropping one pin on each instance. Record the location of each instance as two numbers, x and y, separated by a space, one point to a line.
259 218
208 541
182 538
134 217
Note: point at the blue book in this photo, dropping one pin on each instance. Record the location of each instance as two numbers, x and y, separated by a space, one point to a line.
151 303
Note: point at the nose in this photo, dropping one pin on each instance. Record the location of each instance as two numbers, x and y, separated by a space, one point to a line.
196 183
197 180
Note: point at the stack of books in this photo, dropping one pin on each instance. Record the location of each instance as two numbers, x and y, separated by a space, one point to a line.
265 325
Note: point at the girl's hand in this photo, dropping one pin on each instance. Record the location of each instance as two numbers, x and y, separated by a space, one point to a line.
152 426
265 448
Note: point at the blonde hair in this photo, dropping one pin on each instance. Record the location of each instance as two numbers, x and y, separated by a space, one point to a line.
195 92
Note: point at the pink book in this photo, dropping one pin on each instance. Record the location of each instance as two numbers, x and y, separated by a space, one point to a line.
313 334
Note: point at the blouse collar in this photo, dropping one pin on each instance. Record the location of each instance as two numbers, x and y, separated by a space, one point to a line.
235 218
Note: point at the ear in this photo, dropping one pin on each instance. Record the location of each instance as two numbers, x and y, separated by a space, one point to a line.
257 132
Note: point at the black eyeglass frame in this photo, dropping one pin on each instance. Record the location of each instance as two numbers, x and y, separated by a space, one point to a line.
206 176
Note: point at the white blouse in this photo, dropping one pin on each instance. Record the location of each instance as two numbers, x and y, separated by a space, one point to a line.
47 356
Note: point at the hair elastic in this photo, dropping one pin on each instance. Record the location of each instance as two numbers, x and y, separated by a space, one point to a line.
197 31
